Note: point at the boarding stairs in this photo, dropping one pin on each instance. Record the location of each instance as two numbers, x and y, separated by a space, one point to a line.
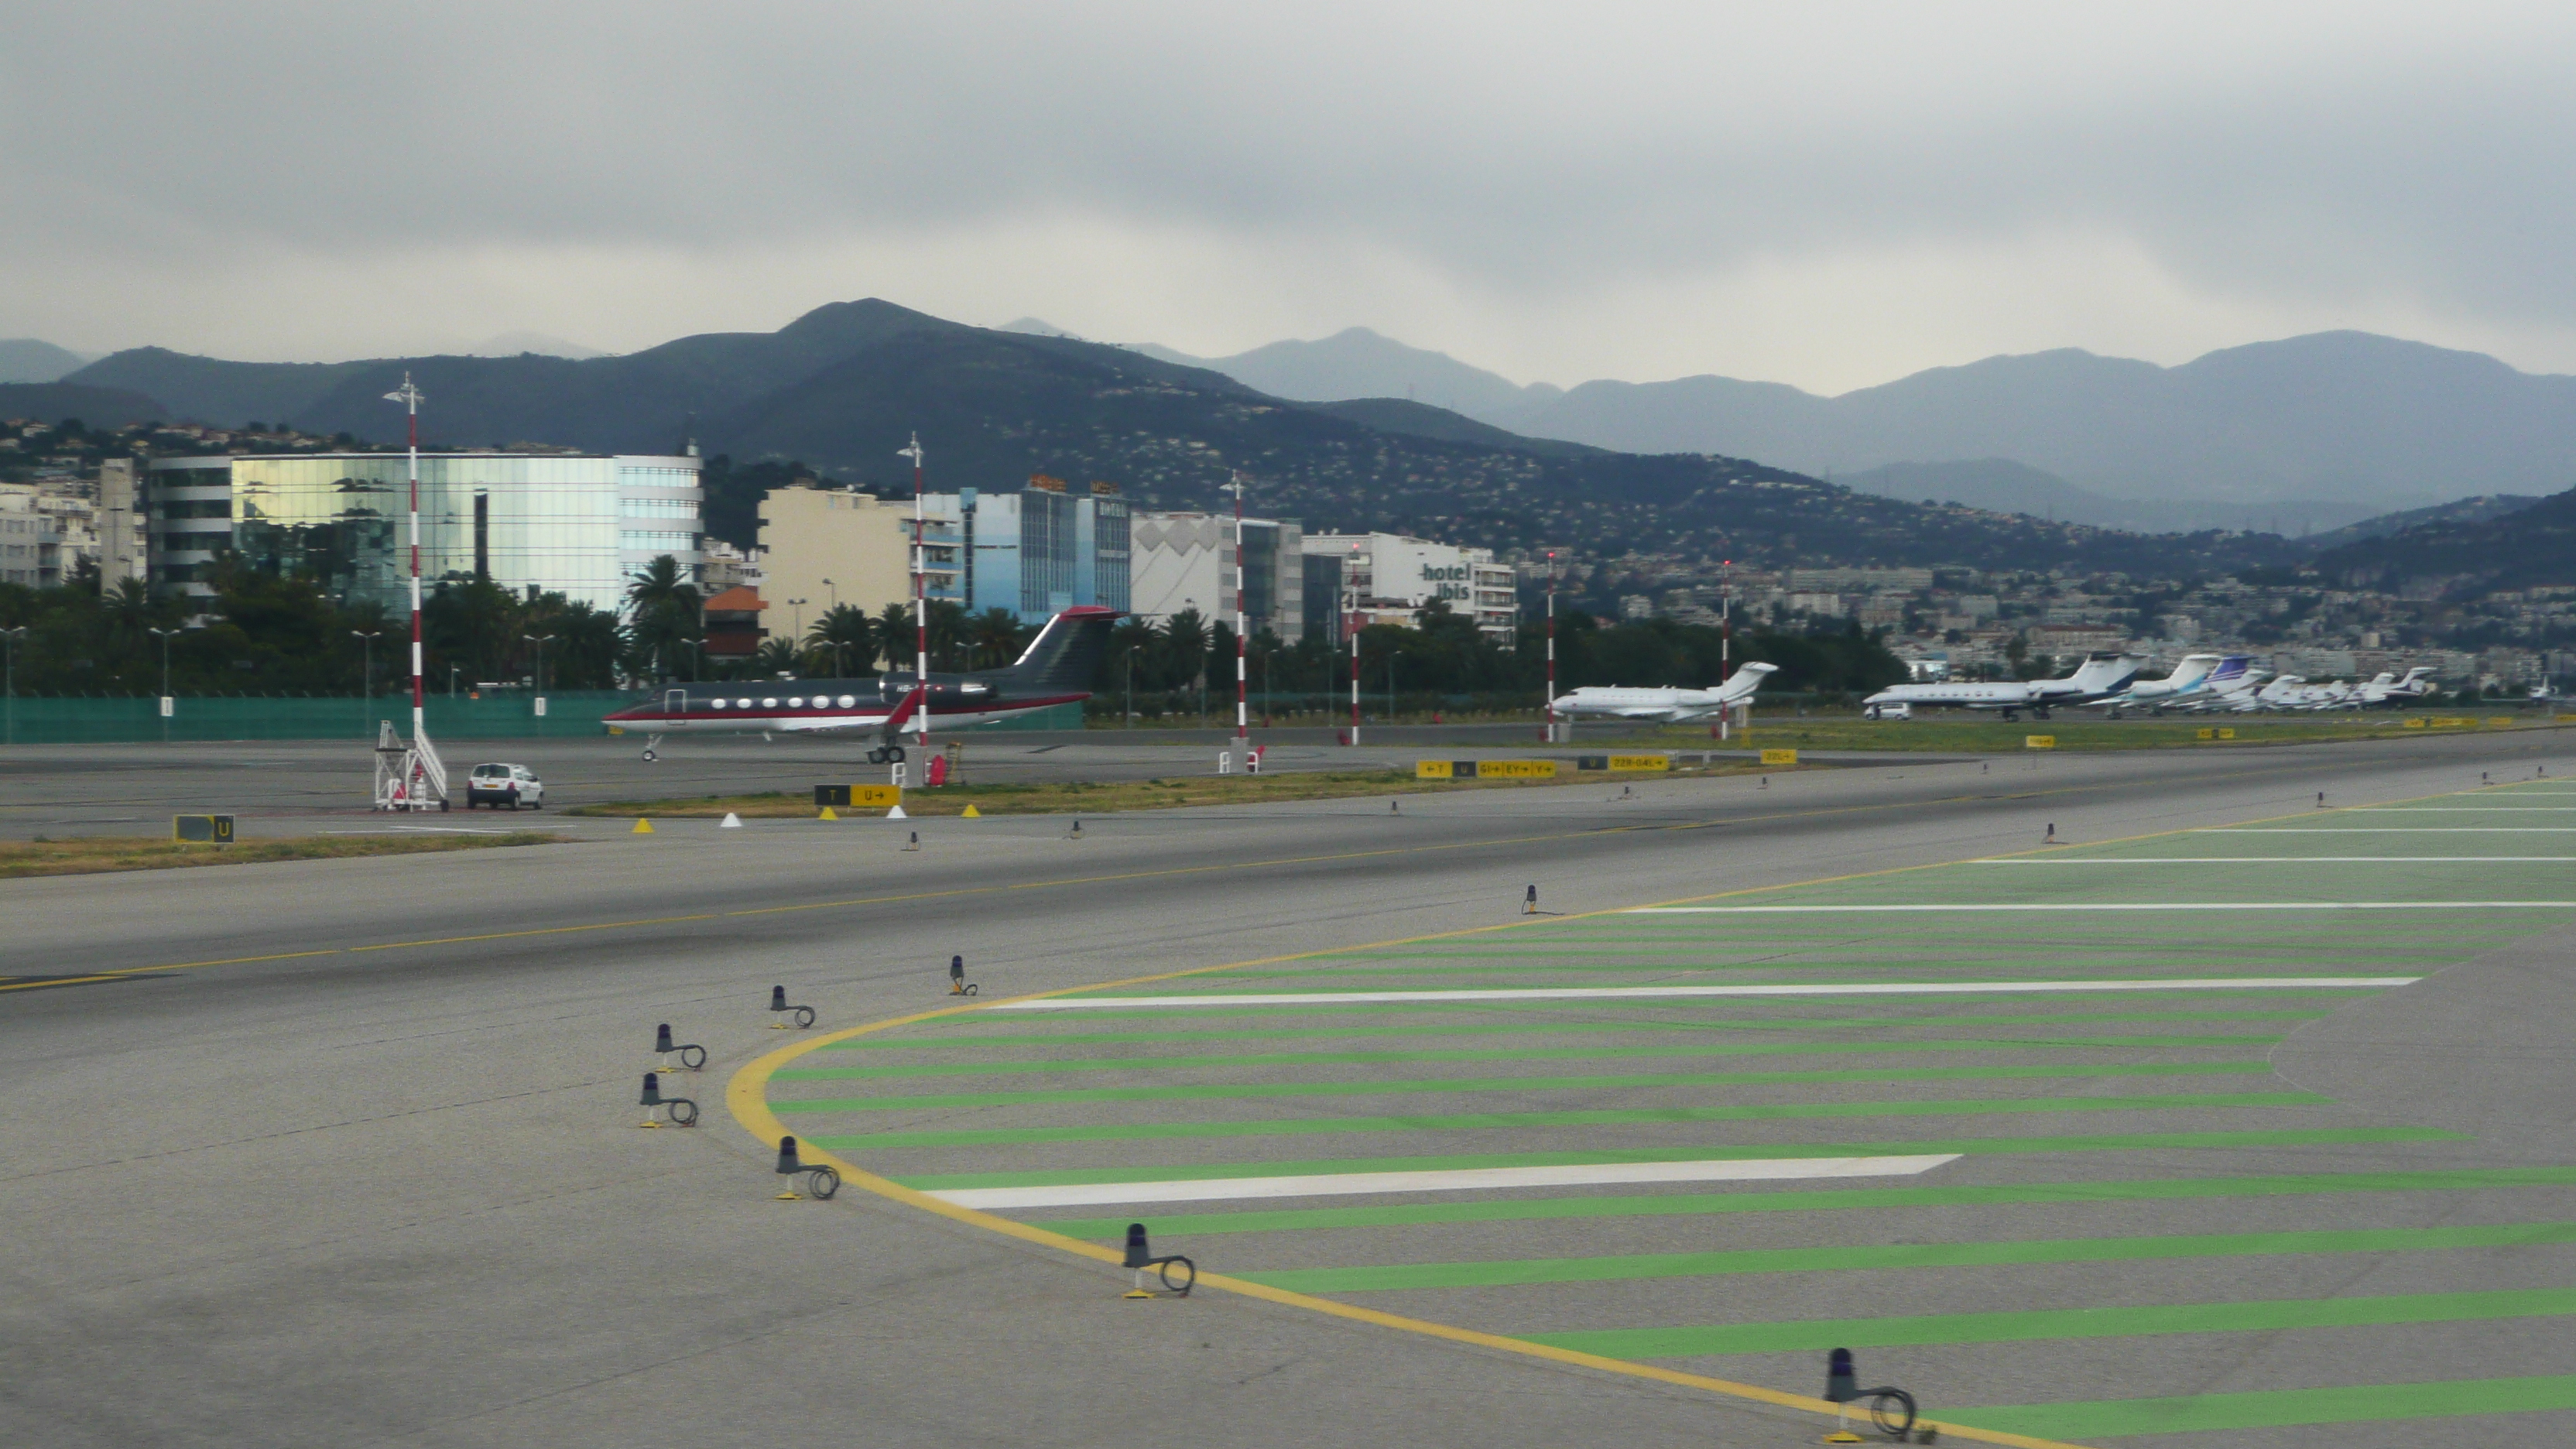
408 776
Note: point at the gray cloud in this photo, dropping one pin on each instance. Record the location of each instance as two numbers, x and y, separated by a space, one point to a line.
1511 178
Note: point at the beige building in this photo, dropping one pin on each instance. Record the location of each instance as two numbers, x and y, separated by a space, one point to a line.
826 546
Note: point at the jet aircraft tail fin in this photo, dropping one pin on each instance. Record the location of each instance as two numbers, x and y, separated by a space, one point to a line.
1066 655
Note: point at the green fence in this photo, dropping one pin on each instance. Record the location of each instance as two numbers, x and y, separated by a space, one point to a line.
571 713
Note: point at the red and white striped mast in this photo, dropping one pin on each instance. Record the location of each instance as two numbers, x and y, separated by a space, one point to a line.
1242 722
1351 622
920 601
1551 646
409 396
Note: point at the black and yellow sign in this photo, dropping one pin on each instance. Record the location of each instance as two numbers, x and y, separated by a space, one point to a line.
1779 757
1641 762
2039 742
1484 769
202 829
845 796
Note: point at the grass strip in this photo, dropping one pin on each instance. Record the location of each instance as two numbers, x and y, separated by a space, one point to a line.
1511 1121
1227 1091
1501 1210
2264 1316
2275 1408
881 1042
2246 1140
1465 1054
1627 1267
99 854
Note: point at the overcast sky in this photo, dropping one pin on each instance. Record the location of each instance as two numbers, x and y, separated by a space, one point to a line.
1827 195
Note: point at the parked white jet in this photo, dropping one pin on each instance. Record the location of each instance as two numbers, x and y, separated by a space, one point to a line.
2100 676
2198 675
1669 705
2417 684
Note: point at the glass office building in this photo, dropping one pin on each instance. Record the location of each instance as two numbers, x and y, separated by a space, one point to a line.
1036 552
577 526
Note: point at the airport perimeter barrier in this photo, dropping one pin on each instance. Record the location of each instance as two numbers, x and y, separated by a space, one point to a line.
570 714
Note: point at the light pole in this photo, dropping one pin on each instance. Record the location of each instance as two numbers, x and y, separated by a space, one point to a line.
796 629
836 592
164 636
920 596
366 673
452 671
541 641
9 668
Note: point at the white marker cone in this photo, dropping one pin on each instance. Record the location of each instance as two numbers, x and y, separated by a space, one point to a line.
897 814
731 822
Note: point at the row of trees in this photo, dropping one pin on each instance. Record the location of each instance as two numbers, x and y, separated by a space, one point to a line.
272 634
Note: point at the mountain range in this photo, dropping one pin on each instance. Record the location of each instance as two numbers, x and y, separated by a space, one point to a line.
2314 431
842 387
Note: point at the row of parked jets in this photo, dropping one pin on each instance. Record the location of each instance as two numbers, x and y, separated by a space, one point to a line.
2200 684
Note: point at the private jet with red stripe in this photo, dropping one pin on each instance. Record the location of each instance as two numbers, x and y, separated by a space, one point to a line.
1057 668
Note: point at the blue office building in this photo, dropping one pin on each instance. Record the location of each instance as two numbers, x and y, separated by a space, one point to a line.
1034 553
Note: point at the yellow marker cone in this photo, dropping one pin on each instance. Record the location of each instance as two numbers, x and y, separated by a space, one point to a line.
643 827
827 814
972 813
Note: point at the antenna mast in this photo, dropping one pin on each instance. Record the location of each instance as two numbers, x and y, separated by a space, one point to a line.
410 397
920 601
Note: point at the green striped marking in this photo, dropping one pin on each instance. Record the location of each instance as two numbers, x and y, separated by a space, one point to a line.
1609 1117
2266 1316
1542 1054
1964 1146
1821 1200
1427 1085
1627 1266
1594 1004
2275 1408
946 1041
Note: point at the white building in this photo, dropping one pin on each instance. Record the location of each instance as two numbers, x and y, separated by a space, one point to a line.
30 539
1180 561
1384 572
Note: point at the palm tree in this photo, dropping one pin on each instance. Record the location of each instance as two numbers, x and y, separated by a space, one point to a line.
847 634
896 640
663 612
947 631
995 634
776 657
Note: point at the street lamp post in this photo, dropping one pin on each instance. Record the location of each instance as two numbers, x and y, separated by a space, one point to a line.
164 635
9 668
541 641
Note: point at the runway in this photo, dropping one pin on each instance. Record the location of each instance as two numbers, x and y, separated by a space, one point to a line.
345 1152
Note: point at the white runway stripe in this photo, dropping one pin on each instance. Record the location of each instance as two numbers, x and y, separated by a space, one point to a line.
2386 830
2288 860
1347 1184
2452 809
2108 906
1781 988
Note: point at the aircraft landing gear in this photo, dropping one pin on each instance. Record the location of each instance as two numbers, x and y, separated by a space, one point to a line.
2040 712
2012 716
650 741
886 755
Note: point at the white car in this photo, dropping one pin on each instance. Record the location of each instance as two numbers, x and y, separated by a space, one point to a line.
1888 711
499 785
